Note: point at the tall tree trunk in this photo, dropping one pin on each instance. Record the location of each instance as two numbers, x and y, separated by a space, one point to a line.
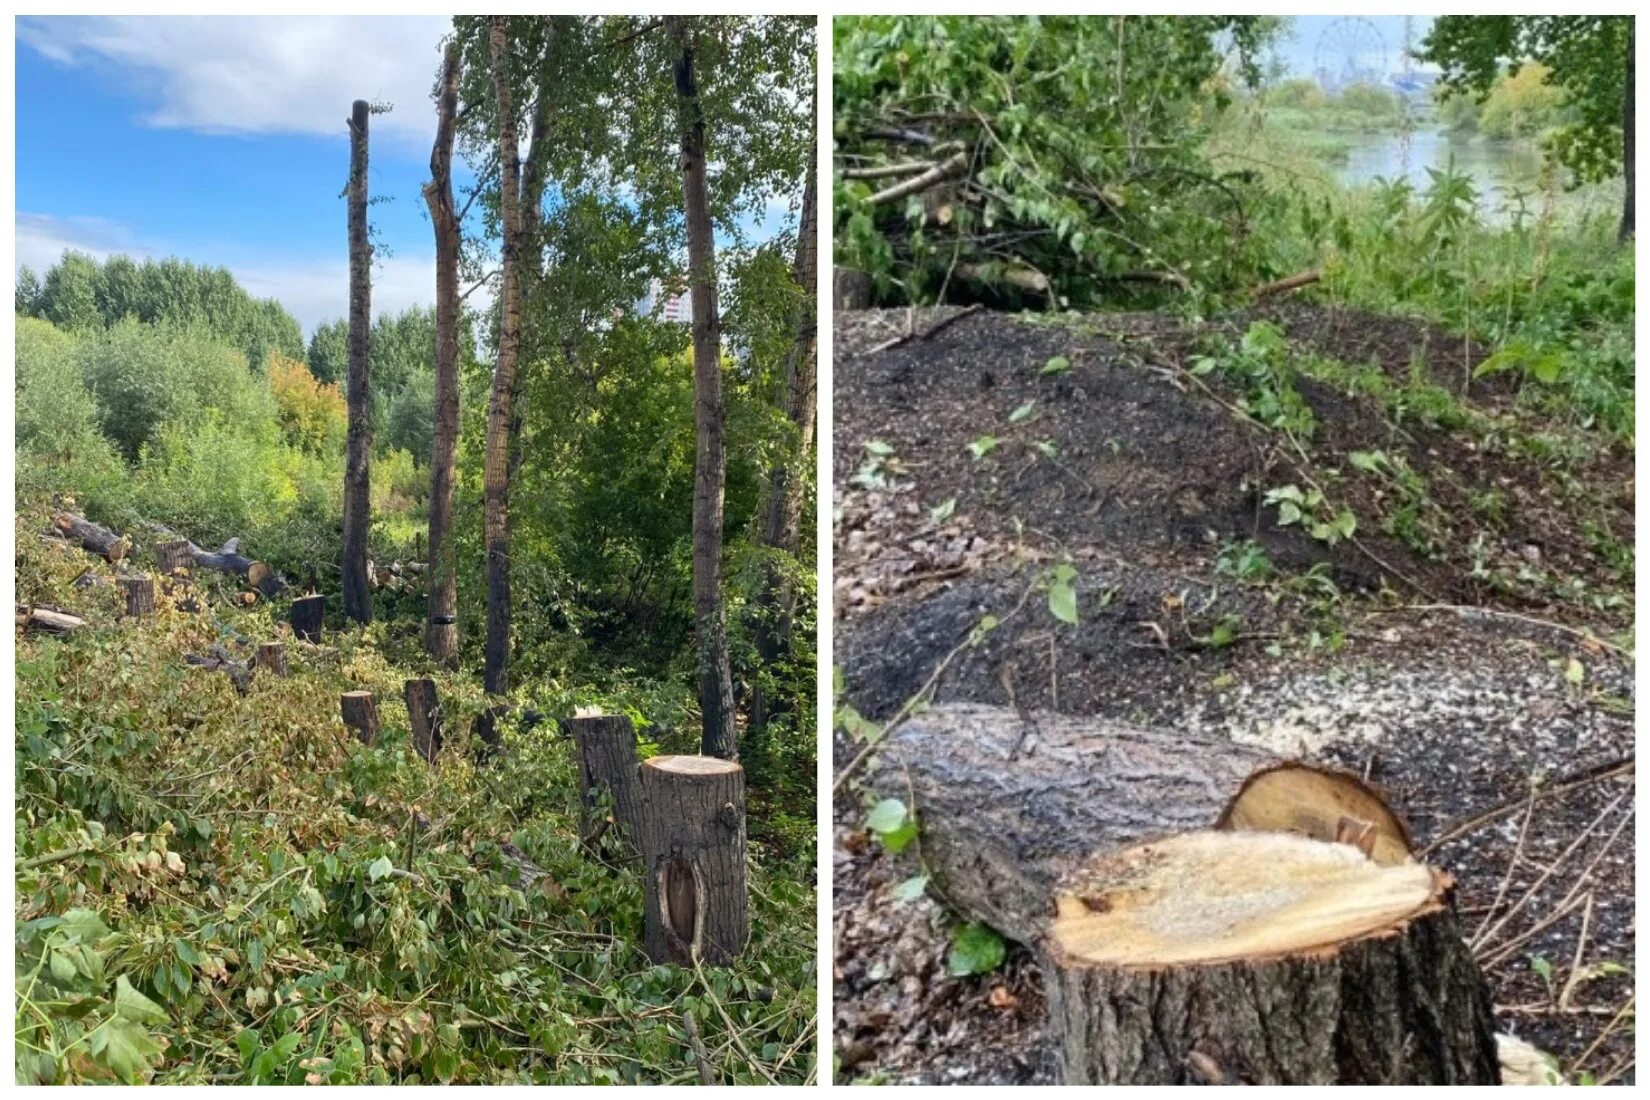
776 606
1626 231
357 486
496 473
441 631
709 467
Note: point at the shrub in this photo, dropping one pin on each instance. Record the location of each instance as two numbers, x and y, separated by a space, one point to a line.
312 414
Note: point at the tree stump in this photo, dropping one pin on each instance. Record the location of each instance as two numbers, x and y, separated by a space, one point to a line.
607 759
851 289
272 655
424 717
360 715
306 617
1266 959
485 728
693 852
175 558
140 596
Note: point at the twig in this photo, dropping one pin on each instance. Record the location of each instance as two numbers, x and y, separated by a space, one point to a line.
1573 981
733 1030
1506 879
1597 774
1284 286
883 171
944 170
927 333
1609 1028
1467 612
706 1076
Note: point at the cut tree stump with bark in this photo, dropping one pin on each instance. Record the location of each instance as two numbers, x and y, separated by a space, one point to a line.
424 717
1263 959
47 620
306 618
92 538
175 557
140 596
360 714
272 655
693 855
609 793
1007 806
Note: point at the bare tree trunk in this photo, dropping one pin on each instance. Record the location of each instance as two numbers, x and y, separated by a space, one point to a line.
776 607
496 473
360 715
441 630
357 488
1626 231
710 463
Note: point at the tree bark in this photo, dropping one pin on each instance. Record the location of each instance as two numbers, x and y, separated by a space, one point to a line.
851 289
709 468
1625 233
441 629
272 655
47 620
140 596
485 728
306 617
97 540
1008 806
693 853
607 762
357 486
496 471
176 556
424 717
776 605
360 715
1262 959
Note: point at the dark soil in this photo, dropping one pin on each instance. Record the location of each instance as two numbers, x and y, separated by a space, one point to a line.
1150 476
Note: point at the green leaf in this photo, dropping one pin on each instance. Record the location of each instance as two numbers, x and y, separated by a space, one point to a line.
886 816
1057 365
939 513
896 840
1225 632
976 949
1022 412
124 1048
1047 448
982 446
132 1005
911 889
1062 596
1574 672
879 448
1369 462
379 868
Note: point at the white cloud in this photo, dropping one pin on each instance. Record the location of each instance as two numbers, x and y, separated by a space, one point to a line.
311 290
259 74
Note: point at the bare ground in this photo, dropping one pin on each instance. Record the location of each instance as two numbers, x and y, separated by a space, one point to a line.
1460 661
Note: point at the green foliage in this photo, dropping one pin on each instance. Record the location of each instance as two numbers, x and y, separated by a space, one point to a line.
975 949
1262 366
225 889
1074 178
81 295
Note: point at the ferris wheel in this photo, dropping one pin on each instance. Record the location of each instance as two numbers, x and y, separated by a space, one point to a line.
1350 49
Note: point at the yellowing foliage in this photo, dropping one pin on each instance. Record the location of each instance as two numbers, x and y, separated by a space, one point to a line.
312 415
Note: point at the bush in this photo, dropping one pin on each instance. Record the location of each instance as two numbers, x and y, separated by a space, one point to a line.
411 417
312 415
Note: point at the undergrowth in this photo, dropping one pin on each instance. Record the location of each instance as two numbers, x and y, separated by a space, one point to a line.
225 889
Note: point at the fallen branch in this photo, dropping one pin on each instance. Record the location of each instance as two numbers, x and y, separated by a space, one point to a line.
101 541
239 672
953 165
229 559
1596 774
927 333
1284 286
47 620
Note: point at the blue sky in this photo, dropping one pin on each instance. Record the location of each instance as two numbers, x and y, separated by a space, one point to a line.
222 140
1299 50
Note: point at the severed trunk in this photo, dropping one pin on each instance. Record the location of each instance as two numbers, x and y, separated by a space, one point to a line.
609 798
306 616
140 596
272 655
92 538
1625 233
496 471
1263 959
693 857
776 606
424 717
441 628
357 490
1008 805
360 714
48 620
709 467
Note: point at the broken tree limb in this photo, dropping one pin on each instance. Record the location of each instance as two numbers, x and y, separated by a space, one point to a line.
227 559
954 165
1284 286
107 544
1007 806
47 620
216 658
1263 959
693 853
360 714
607 766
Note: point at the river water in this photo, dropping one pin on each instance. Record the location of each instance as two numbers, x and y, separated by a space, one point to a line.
1506 174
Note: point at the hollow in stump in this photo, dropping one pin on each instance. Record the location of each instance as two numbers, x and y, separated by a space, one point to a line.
424 717
140 596
693 853
272 656
1266 959
360 715
609 798
307 612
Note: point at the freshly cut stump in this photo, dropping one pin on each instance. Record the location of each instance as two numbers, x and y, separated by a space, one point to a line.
140 596
607 759
693 850
1263 958
424 717
307 613
272 655
175 557
360 714
1323 804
